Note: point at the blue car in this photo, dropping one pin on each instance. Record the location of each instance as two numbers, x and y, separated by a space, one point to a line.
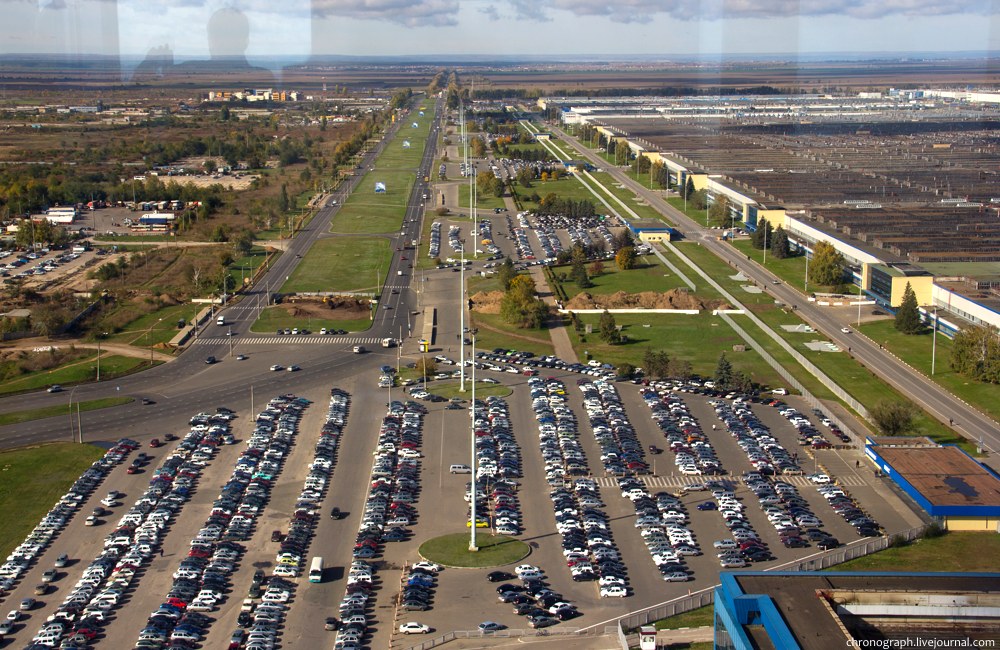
707 505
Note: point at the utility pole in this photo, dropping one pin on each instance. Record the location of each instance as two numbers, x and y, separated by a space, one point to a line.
934 341
472 440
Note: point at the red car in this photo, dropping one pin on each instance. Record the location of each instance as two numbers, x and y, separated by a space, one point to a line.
155 442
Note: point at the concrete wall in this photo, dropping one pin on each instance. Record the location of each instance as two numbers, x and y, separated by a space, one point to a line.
972 524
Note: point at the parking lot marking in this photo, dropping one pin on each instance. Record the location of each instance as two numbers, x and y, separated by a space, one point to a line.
680 480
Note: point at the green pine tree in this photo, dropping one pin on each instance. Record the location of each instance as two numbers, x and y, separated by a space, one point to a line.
908 314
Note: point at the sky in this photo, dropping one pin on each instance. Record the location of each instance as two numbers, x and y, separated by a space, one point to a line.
556 28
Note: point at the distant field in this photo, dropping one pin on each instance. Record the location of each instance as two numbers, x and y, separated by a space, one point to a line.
650 277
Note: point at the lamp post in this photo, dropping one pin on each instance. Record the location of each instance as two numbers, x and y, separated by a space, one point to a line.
472 442
461 314
72 434
934 341
103 334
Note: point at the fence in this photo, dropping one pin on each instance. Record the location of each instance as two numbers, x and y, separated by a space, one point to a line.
705 597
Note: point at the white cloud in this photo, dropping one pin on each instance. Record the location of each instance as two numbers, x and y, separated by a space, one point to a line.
490 11
643 11
411 13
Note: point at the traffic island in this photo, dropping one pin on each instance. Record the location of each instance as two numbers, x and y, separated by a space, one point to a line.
494 550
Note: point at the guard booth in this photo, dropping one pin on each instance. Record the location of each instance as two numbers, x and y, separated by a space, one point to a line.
424 345
647 637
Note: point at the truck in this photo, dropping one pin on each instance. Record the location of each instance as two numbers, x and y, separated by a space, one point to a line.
388 343
221 320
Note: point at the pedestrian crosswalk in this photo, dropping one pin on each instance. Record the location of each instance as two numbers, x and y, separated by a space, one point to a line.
289 339
679 480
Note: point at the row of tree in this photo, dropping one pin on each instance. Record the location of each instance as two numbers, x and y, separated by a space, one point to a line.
774 239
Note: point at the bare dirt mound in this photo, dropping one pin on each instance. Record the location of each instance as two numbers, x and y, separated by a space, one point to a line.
487 302
329 308
673 299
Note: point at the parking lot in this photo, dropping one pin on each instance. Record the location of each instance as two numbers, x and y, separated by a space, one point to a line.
462 598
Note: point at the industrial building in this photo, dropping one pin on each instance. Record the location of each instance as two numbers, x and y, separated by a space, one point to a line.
823 610
906 193
954 489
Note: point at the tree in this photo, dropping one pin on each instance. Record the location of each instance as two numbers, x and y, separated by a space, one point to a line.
596 268
625 258
519 307
609 329
283 202
525 175
975 353
477 147
622 238
718 214
243 242
679 368
779 244
655 363
892 418
209 165
426 366
688 189
763 236
827 265
908 314
625 370
723 373
579 275
506 273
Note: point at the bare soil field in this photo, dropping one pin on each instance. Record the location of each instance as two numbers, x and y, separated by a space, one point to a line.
334 308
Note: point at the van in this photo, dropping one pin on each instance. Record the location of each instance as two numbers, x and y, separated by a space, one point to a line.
359 349
221 320
460 469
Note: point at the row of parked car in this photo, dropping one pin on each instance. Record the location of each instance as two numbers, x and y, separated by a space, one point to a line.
455 238
693 453
621 451
662 520
434 249
519 235
763 450
202 578
295 542
81 616
498 464
845 506
395 485
533 599
790 514
744 544
55 520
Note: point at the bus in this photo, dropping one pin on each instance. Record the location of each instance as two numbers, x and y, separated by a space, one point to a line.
316 570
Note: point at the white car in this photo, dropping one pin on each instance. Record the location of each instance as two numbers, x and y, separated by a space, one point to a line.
613 591
414 628
819 479
427 566
845 330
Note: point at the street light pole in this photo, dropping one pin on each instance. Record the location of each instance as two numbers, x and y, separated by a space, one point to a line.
98 359
72 434
934 341
461 314
472 439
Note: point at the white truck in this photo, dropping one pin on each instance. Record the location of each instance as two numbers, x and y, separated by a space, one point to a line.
388 343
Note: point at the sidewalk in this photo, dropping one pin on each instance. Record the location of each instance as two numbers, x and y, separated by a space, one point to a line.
557 330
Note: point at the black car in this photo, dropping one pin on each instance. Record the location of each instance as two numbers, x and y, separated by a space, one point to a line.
499 576
210 360
336 513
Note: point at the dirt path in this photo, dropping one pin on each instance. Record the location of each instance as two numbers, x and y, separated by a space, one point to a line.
106 348
557 329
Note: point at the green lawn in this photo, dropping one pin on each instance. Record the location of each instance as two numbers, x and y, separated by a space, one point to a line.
449 389
840 367
916 351
32 480
566 187
791 269
628 197
453 550
79 371
701 617
495 333
958 552
243 269
342 264
62 409
155 327
273 318
698 340
366 211
652 276
483 201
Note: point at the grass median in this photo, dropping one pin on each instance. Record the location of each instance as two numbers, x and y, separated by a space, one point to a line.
494 550
32 480
16 417
75 372
342 264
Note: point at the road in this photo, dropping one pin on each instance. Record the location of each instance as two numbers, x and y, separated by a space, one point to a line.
188 382
967 420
